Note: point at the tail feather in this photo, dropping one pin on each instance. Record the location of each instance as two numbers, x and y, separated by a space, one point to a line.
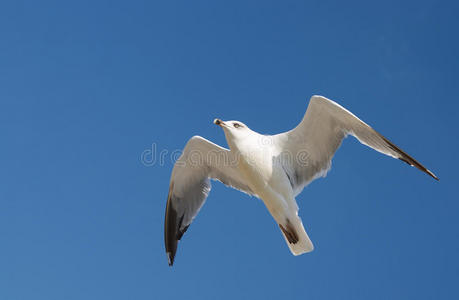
296 237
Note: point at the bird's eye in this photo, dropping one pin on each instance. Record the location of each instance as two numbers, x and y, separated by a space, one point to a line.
236 125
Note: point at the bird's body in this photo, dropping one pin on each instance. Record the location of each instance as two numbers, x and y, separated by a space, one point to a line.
268 180
274 168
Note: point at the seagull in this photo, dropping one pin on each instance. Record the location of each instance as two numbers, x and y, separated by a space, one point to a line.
273 168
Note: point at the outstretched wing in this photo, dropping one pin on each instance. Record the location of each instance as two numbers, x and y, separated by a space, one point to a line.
315 140
200 161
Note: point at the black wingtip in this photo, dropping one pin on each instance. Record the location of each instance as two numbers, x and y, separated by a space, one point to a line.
408 159
434 177
170 229
170 259
412 162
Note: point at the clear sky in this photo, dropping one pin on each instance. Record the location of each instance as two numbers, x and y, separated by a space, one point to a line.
87 86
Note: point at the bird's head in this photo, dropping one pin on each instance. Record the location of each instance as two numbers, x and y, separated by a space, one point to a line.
234 130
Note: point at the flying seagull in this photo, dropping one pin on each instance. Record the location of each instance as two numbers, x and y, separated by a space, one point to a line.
274 168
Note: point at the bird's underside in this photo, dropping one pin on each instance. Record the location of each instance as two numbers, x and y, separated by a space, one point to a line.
317 137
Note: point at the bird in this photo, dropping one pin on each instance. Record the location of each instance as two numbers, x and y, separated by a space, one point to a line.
273 168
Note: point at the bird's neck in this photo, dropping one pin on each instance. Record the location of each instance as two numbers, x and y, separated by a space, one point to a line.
248 145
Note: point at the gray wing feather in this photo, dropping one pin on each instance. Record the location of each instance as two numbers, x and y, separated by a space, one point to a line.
200 161
315 140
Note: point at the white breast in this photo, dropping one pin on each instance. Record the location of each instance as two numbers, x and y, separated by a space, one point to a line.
257 164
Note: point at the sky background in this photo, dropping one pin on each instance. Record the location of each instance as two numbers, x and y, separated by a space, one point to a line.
87 86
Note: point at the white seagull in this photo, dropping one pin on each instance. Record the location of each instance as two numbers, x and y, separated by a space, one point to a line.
274 168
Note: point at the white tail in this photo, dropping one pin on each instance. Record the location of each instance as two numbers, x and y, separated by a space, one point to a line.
296 237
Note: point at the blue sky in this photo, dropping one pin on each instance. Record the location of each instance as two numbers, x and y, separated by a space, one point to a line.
87 86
